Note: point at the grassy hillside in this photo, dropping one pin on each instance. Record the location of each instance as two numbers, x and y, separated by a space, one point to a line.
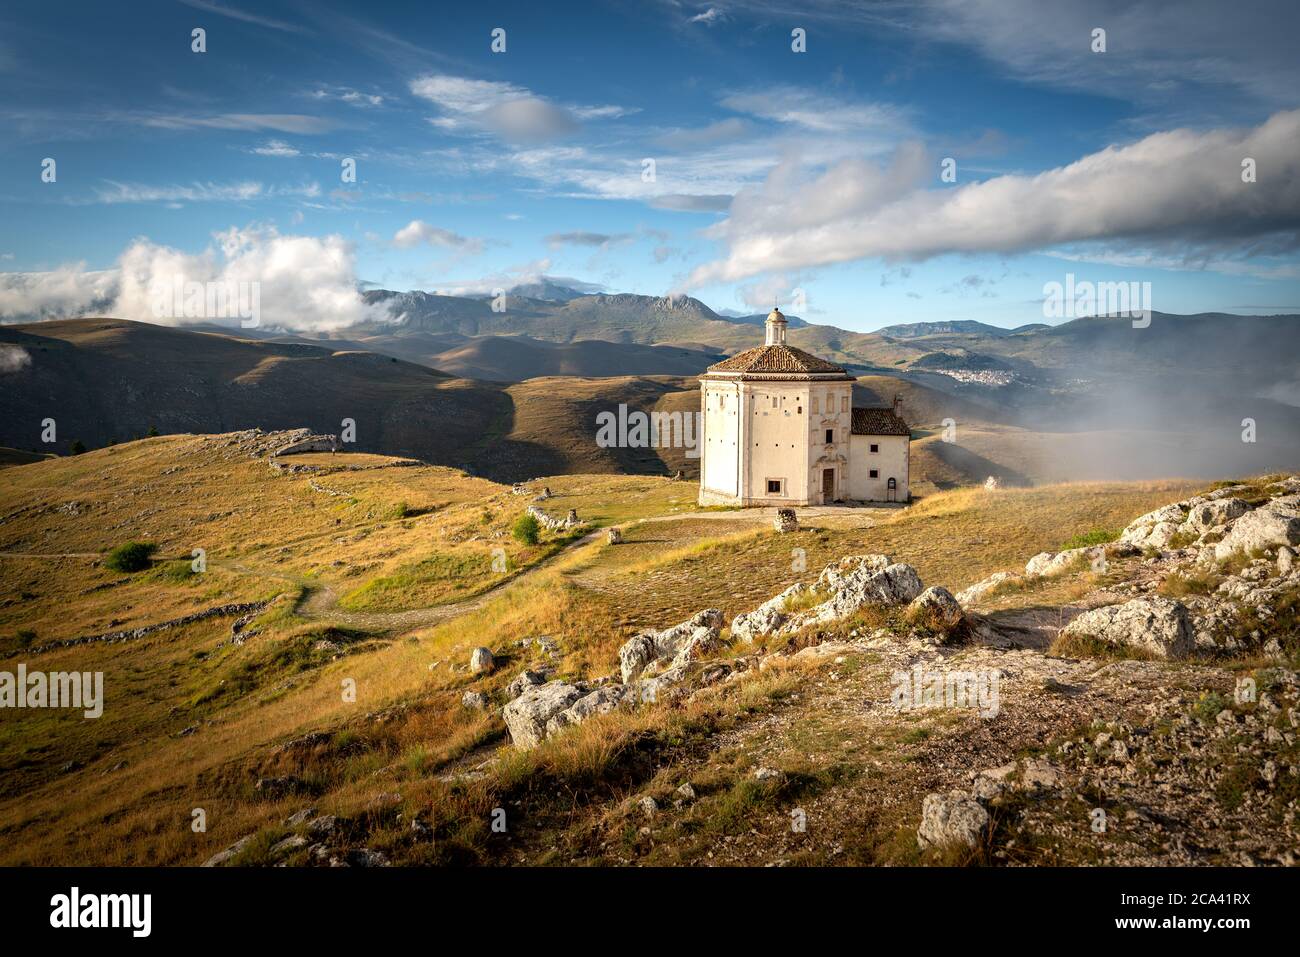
194 720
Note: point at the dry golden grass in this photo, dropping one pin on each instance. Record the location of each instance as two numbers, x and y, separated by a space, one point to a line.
121 790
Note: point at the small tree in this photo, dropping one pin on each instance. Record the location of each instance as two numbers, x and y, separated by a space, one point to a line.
131 557
527 529
76 448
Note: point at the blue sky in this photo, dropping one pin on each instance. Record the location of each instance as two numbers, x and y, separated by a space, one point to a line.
774 170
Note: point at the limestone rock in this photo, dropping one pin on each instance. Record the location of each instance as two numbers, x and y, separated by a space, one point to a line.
474 699
527 715
1158 625
972 595
651 646
786 520
954 818
614 537
481 661
937 608
767 617
1269 526
522 682
1214 513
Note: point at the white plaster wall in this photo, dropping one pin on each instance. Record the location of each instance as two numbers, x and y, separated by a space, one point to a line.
833 402
719 458
777 440
890 461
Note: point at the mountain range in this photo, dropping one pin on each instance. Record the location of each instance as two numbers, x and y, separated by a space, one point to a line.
512 392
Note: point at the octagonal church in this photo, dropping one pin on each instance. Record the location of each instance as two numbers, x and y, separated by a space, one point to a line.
779 428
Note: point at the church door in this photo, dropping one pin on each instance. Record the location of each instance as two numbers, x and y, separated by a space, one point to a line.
828 486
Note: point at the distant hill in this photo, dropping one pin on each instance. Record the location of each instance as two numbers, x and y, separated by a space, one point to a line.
106 380
516 358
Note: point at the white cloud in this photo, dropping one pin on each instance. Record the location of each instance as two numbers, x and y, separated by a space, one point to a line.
418 232
13 358
200 192
275 148
813 111
348 95
279 122
210 6
709 16
1180 187
510 111
305 282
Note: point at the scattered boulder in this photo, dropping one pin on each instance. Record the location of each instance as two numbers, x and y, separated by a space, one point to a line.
522 682
1159 626
601 701
651 646
526 717
936 608
1215 513
786 520
1274 524
767 617
474 699
972 595
481 661
992 484
686 792
954 818
614 537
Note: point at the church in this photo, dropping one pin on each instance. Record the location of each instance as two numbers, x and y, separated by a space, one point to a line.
779 428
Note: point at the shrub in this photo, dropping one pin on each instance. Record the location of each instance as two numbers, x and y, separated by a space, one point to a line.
527 529
131 557
76 447
1098 536
401 510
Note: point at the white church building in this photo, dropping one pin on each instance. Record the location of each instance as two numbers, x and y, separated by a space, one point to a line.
780 429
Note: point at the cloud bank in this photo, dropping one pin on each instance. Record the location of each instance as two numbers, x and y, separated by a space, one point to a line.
1180 187
306 283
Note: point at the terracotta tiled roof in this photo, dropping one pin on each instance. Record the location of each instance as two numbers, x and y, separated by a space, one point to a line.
878 422
776 359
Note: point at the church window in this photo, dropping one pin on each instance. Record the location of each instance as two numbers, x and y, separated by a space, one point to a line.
874 473
830 436
875 447
775 486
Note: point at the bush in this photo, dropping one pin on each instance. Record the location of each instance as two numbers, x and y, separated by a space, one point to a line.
527 529
1098 536
76 447
131 557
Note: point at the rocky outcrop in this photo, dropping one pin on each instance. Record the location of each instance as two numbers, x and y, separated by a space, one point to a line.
526 717
767 617
969 597
952 818
936 608
1274 524
1158 626
850 584
660 646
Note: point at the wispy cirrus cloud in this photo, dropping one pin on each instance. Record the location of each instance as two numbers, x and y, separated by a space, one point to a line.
508 110
234 13
114 192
